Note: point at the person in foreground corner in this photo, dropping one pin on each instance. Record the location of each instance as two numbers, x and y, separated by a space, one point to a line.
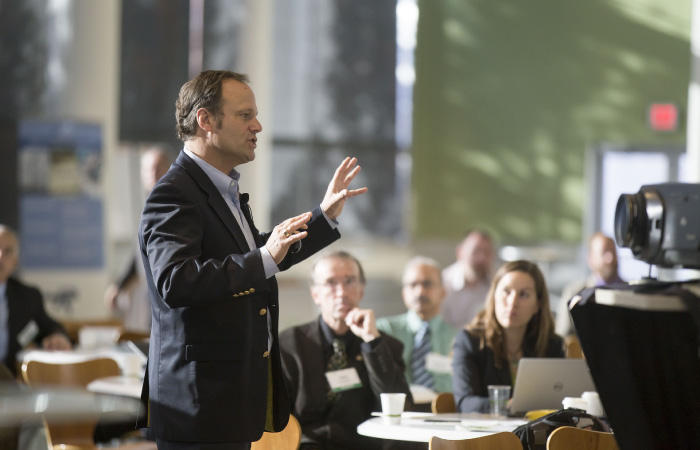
214 379
343 340
517 322
23 319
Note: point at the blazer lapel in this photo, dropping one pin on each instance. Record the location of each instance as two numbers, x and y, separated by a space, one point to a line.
315 364
215 200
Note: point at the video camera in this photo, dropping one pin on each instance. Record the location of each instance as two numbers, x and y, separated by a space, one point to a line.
661 224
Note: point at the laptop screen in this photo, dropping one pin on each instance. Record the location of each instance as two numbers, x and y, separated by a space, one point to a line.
542 383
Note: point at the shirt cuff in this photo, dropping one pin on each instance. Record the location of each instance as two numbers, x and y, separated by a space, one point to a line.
269 264
332 222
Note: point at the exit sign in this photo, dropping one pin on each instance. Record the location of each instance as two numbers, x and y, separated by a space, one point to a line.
663 117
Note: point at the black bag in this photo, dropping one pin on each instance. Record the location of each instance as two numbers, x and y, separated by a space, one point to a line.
534 434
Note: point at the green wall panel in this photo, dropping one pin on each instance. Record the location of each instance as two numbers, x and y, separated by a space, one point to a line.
509 94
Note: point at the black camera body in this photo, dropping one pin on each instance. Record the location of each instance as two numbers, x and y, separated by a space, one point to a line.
661 224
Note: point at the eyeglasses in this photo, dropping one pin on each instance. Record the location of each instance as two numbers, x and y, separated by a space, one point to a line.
333 283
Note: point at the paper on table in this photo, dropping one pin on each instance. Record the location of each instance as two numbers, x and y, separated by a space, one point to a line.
490 425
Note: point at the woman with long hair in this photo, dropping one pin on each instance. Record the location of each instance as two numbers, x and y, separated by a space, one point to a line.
517 322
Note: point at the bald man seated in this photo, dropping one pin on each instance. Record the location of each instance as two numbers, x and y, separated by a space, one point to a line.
23 319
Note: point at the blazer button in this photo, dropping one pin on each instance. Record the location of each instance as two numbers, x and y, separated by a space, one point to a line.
235 295
246 292
263 312
252 290
266 354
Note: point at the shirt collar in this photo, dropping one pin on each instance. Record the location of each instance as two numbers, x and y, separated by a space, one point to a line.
415 323
3 290
221 181
329 335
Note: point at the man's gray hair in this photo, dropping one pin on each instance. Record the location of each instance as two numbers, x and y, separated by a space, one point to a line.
422 261
336 254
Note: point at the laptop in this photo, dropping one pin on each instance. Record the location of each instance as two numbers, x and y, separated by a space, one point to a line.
542 383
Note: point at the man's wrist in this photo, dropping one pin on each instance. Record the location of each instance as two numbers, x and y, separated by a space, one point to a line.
331 220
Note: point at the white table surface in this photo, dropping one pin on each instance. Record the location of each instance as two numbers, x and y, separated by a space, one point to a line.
18 404
128 386
420 427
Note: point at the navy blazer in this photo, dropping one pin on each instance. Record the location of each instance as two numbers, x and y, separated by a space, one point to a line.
207 376
474 368
24 305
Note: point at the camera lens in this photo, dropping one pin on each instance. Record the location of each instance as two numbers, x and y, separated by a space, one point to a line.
629 220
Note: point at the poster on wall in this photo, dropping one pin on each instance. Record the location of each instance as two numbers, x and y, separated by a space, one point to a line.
60 204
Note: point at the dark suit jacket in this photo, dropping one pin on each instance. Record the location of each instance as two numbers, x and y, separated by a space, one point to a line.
335 426
474 368
208 355
24 305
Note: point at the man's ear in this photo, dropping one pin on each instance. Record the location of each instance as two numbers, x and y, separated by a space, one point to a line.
205 120
315 295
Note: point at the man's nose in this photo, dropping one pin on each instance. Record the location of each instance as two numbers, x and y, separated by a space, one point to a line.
256 126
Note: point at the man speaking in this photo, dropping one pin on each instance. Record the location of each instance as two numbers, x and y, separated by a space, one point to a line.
214 379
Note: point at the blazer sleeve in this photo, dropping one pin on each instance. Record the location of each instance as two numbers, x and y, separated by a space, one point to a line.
47 326
173 227
386 368
469 364
555 347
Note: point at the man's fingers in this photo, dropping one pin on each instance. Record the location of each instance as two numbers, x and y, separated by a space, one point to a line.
346 166
355 192
353 173
291 226
297 236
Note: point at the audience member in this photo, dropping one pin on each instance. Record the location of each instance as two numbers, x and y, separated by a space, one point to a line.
516 323
343 337
602 262
427 340
23 319
128 294
467 280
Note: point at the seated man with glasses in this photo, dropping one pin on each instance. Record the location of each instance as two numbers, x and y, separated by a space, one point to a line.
426 338
336 366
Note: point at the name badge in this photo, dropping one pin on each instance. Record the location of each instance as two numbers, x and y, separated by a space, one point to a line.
344 380
438 363
28 333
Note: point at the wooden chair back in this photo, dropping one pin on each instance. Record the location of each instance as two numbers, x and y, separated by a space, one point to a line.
570 438
499 441
444 402
78 374
572 347
287 439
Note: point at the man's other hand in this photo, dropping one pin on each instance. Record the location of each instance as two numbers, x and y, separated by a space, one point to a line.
338 191
362 324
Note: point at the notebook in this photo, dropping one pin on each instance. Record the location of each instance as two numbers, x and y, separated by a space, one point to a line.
542 383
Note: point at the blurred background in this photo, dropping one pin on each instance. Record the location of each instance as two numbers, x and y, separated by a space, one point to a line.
525 119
